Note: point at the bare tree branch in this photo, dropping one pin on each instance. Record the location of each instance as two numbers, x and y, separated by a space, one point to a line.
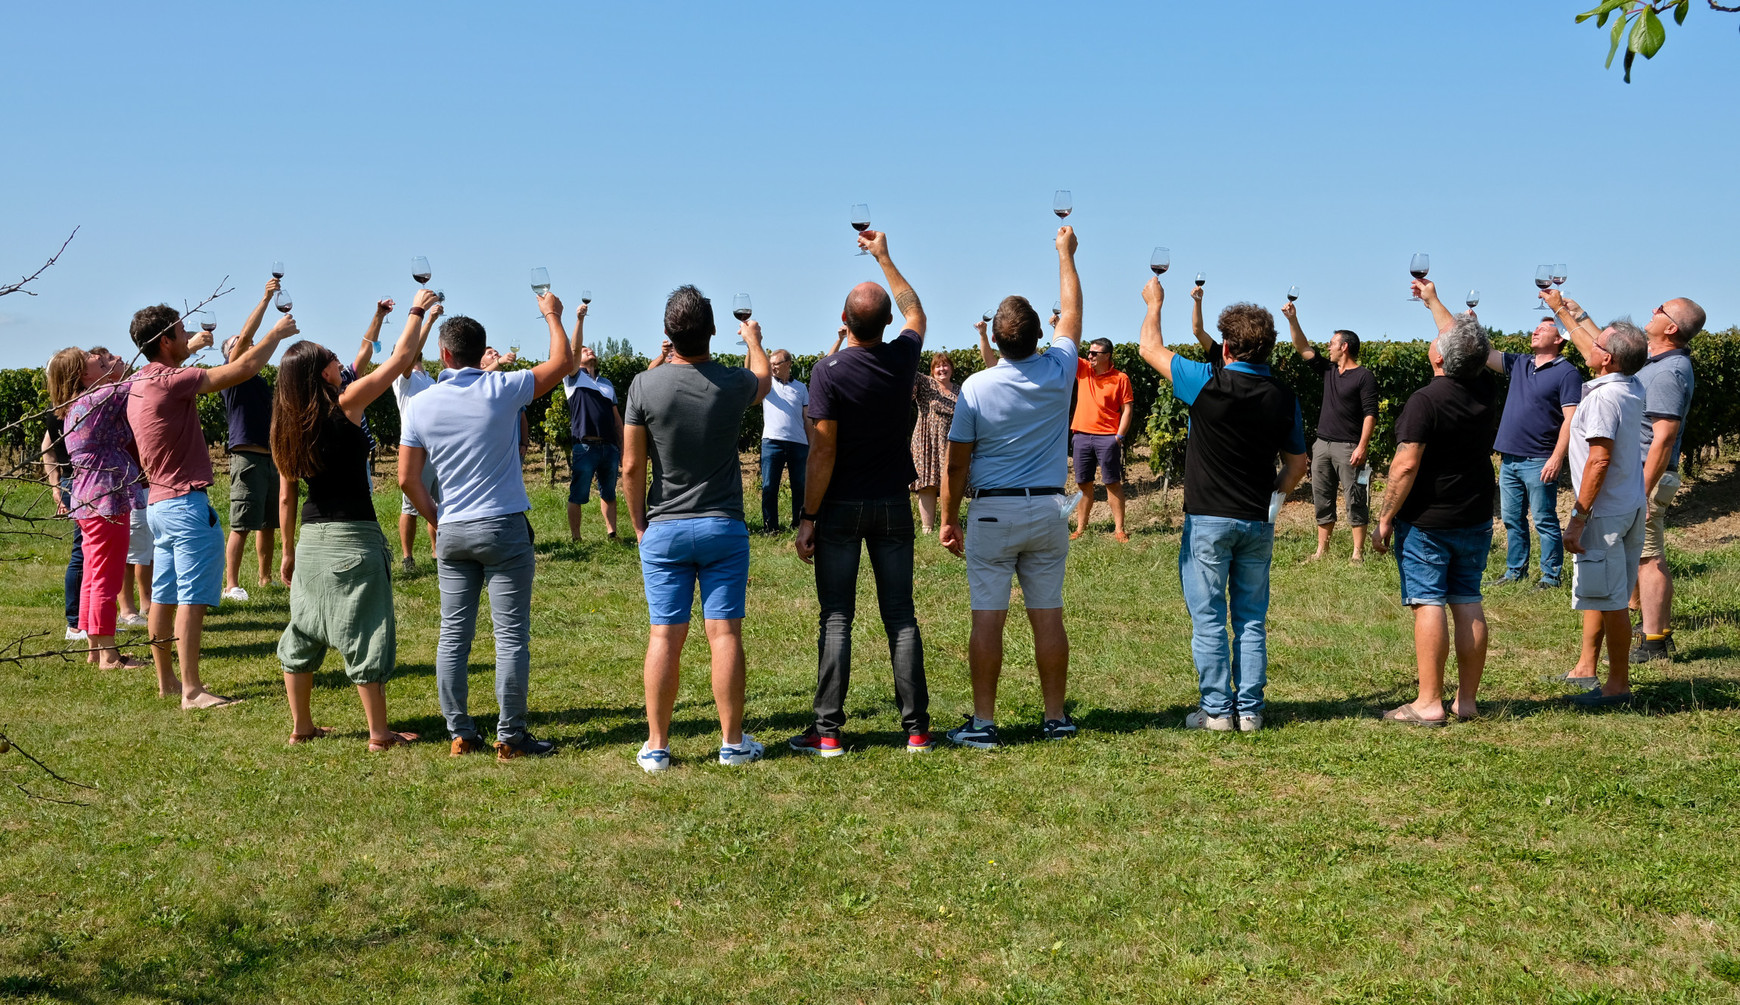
19 287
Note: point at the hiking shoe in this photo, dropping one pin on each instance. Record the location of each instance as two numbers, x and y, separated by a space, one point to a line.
977 737
1595 699
1547 584
918 743
1659 648
1250 723
1059 729
653 760
811 742
409 564
744 751
463 745
1215 723
74 635
526 746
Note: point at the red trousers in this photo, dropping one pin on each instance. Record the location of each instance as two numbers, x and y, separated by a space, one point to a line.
105 561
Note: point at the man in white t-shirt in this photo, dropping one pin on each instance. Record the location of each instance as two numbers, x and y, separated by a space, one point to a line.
785 441
406 386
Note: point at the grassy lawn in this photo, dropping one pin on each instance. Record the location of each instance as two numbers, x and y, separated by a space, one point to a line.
1536 855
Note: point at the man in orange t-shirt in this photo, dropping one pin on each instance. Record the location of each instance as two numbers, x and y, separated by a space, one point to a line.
1104 405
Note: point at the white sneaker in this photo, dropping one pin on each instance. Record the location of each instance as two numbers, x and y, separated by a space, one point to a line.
74 635
1250 723
130 620
1216 723
653 761
237 594
743 751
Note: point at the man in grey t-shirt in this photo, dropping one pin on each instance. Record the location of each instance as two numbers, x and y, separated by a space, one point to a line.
683 417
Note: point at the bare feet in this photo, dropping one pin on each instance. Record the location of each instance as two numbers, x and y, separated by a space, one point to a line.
320 733
1075 535
1357 559
1464 712
1122 537
388 740
124 663
1316 556
203 699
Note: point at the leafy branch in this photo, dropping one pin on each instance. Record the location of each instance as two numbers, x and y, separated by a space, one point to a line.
1647 32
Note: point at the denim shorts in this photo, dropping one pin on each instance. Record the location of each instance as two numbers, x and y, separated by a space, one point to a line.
676 554
589 462
189 550
1441 567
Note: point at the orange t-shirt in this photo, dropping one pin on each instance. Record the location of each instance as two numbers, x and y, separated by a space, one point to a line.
1099 400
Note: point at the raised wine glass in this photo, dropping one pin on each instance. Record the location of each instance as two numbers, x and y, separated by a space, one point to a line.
420 270
585 296
1418 267
742 310
540 281
1201 278
1560 274
1160 261
277 270
1292 293
1057 308
1473 300
990 312
282 301
1061 204
1544 281
514 348
861 220
207 321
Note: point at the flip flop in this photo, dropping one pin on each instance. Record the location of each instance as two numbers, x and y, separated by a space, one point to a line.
1407 716
1595 699
223 701
396 739
1571 680
320 732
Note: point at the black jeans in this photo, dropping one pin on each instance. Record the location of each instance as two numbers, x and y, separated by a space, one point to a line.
843 530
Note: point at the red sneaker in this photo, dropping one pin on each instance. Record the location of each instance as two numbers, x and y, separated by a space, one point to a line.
812 742
917 743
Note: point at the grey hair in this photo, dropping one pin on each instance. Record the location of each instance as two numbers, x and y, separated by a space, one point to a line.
1464 346
1628 345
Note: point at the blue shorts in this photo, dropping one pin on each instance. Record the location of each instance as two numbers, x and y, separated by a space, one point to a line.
1441 567
675 554
589 461
187 550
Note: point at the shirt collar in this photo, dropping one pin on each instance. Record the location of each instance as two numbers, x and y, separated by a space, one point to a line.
1542 366
1260 369
1608 378
1671 352
466 375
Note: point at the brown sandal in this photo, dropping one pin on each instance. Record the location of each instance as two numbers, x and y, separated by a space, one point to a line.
394 739
320 732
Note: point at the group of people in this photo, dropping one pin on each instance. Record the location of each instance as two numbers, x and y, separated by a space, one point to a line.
137 469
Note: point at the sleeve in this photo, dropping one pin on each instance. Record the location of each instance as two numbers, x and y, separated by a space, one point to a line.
1296 432
568 384
184 383
522 388
1600 417
1666 397
803 391
1414 425
1126 390
1318 363
1081 368
1189 378
408 436
821 400
965 426
1570 387
1510 361
632 414
1368 395
1215 354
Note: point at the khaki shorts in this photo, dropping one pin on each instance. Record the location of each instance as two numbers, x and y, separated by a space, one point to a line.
253 491
1655 526
1602 577
1010 536
140 547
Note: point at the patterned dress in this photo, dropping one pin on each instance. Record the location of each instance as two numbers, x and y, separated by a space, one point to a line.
930 434
106 480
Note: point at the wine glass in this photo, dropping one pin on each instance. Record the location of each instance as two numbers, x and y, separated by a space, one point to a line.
861 220
990 312
1473 300
1161 260
1056 308
1417 267
1061 203
1201 278
420 270
1559 274
1543 281
585 296
514 348
742 310
540 281
282 301
1292 293
207 321
277 270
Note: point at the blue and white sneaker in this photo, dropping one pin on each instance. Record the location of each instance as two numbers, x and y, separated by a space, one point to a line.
653 761
1059 729
743 751
979 737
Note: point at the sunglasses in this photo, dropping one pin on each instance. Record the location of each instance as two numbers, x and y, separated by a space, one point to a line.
1662 310
1098 352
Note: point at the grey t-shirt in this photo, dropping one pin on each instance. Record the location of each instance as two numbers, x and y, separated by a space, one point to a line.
1667 394
692 414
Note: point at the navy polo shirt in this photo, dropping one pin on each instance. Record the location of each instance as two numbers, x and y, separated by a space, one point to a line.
1535 403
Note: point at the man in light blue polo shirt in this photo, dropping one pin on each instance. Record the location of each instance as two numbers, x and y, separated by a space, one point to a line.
468 428
1011 433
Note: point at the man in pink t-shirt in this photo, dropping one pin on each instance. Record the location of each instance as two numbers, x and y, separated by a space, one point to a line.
188 541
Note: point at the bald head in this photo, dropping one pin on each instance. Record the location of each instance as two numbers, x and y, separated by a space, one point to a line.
868 312
1687 316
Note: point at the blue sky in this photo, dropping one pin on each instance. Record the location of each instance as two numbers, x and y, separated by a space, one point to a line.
630 148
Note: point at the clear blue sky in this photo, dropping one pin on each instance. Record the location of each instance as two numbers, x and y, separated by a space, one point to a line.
633 147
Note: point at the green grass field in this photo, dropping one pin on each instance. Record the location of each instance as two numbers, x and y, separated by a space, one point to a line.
1538 855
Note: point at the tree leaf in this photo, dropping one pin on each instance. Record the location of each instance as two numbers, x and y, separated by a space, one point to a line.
1680 11
1602 11
1617 34
1649 34
1629 56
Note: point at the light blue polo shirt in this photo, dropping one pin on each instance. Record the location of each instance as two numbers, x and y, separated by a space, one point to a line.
1016 415
469 423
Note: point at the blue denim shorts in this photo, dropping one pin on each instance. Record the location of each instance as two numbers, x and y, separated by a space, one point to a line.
188 551
1441 567
590 461
676 554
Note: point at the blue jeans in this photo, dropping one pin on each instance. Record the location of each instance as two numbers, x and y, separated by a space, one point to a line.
589 462
1224 563
75 566
776 454
498 551
1521 494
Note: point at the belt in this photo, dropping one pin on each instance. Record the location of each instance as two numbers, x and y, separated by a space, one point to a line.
1052 490
594 439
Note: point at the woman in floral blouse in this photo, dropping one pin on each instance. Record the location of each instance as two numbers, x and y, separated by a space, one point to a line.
935 395
106 487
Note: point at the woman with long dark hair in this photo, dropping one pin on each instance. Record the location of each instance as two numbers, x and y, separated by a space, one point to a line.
339 570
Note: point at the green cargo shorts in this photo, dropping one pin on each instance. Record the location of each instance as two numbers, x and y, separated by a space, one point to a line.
341 595
253 491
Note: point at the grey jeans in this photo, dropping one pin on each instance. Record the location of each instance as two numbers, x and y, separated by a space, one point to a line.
497 552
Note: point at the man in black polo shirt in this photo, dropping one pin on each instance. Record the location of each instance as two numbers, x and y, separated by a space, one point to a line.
253 475
1344 428
1241 421
855 497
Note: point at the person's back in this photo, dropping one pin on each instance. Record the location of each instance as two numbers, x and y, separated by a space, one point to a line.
866 389
1241 420
469 425
1017 416
1454 420
165 418
692 414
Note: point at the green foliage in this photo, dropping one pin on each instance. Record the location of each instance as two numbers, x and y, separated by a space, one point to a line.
1647 34
556 429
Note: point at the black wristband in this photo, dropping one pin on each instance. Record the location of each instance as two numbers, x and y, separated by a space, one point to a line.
417 312
811 517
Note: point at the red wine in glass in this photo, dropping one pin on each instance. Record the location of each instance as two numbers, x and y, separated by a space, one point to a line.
1417 267
742 313
1201 278
208 326
277 270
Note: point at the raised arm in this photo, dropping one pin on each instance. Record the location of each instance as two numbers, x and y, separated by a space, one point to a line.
550 372
579 337
986 352
366 351
1069 287
366 388
1574 319
1428 291
905 300
1301 344
664 355
750 332
423 337
1196 327
1153 346
839 339
249 363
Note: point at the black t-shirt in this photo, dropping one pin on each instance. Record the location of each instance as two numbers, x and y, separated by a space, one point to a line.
1455 421
341 491
249 405
57 443
867 390
1241 420
1347 399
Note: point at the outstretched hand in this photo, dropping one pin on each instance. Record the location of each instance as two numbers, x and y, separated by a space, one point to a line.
424 299
1289 311
1066 242
384 306
950 536
875 242
1425 289
1153 294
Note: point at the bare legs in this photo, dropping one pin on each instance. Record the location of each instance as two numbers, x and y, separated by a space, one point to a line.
1655 591
1327 530
176 630
606 510
1050 654
575 513
298 688
664 649
265 545
1432 651
408 535
1084 510
134 577
1615 626
927 508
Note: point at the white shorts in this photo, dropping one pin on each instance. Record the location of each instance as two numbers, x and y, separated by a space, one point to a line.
1010 536
139 546
1603 576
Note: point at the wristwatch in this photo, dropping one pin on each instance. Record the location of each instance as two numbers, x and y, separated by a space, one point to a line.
1579 513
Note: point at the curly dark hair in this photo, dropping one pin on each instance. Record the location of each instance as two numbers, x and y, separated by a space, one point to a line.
1015 328
689 321
1248 332
149 326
